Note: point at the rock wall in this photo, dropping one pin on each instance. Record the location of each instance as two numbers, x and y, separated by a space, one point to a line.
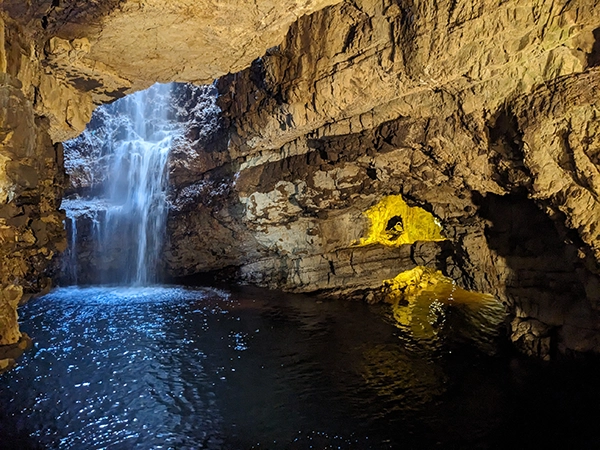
112 47
31 180
483 113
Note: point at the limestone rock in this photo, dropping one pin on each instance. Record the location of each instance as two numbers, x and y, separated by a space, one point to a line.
358 64
31 180
156 41
532 337
483 113
436 103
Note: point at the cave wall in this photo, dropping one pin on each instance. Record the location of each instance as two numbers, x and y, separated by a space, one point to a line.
449 104
31 180
59 59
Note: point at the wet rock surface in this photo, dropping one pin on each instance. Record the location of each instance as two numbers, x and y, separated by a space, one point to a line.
483 114
360 102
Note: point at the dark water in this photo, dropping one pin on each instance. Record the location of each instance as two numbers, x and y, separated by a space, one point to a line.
175 368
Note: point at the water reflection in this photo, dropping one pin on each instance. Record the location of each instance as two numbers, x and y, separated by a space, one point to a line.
433 311
186 369
404 380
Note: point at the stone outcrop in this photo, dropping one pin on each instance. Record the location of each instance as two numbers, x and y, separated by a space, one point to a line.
105 49
31 180
483 113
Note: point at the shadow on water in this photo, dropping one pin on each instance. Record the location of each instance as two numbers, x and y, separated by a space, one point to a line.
246 368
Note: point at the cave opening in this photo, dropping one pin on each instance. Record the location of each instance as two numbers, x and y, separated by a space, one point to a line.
116 203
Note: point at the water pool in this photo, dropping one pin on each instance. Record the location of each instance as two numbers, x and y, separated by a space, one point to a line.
188 368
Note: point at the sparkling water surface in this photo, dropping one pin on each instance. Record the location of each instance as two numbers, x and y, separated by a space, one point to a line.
182 368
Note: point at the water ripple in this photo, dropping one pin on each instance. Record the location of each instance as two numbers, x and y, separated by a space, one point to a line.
177 368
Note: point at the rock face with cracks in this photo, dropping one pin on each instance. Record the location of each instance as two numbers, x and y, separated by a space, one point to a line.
483 113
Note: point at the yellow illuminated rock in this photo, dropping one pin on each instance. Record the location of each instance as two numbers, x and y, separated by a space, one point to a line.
408 285
394 223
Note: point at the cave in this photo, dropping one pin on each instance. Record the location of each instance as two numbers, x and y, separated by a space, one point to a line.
367 223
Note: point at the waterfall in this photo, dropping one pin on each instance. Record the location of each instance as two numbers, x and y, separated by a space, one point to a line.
121 161
70 260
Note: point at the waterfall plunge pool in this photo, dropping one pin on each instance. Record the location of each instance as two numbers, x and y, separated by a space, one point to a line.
190 368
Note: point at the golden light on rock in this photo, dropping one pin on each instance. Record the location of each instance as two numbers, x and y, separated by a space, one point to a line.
427 305
394 223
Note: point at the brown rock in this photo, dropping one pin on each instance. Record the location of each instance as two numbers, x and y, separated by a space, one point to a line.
484 113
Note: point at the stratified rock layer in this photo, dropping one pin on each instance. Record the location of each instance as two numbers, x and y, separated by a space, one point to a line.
60 59
482 113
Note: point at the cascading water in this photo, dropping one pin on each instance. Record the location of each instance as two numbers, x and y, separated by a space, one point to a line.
136 190
124 209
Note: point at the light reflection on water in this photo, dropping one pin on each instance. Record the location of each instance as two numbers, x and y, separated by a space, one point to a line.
171 367
437 313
